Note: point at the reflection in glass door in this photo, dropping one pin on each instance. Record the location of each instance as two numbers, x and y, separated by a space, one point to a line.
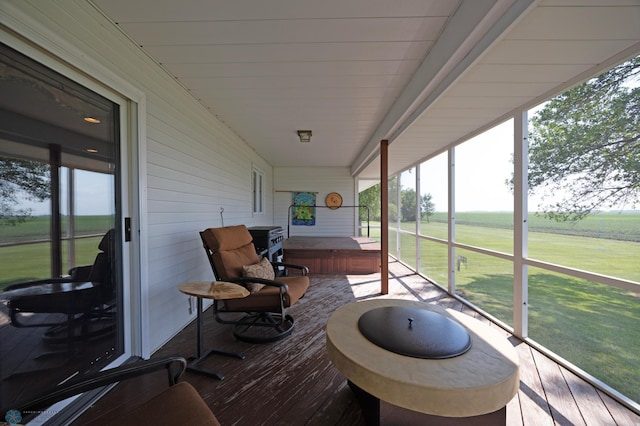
60 261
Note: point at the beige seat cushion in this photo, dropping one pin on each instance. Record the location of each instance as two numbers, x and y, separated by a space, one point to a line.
178 405
233 248
269 296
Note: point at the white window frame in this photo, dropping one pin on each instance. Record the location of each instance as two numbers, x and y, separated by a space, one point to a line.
257 191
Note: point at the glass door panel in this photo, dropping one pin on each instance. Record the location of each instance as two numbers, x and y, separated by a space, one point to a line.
60 261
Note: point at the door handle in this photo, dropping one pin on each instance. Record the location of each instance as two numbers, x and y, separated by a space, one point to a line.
127 229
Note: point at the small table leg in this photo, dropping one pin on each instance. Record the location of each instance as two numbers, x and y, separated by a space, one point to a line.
193 365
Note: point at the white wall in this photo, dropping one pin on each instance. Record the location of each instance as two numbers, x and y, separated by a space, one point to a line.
323 180
194 164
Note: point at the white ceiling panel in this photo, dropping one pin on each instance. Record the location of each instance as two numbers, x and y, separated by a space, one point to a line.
488 90
280 69
520 73
556 52
423 73
291 51
198 10
468 104
284 31
287 82
580 23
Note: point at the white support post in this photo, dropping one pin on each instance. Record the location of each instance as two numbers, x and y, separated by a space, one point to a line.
398 214
71 219
418 222
520 211
451 227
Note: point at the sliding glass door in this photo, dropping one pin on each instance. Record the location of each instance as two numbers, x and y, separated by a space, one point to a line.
60 214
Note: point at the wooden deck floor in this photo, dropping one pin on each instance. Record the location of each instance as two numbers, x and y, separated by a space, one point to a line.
292 382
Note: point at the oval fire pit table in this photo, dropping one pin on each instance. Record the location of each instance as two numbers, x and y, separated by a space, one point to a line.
472 385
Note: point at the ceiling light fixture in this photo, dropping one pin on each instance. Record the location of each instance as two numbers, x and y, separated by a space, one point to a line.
91 120
304 135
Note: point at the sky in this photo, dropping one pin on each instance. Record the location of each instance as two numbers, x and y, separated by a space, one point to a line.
482 165
93 195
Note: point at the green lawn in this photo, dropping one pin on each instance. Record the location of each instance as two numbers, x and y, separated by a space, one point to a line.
623 226
37 228
20 263
30 262
594 326
617 258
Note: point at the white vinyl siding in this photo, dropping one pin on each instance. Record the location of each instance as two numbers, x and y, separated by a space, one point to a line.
195 165
322 180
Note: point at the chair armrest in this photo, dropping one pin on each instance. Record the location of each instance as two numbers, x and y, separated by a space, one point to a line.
38 282
77 274
303 269
175 367
264 281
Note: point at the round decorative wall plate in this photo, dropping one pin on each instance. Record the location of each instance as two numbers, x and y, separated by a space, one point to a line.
333 200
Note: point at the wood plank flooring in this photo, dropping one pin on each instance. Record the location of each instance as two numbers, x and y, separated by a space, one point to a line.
292 382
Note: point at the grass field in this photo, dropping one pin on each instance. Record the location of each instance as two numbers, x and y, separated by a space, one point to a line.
617 258
37 228
624 226
26 262
594 326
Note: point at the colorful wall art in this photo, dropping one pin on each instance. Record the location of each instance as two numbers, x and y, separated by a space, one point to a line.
304 210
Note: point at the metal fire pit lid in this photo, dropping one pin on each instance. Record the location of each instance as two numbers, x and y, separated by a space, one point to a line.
414 332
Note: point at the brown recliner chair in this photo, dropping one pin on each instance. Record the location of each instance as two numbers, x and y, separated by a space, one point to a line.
274 286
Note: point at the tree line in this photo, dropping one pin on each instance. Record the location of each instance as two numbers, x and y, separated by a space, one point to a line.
371 198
